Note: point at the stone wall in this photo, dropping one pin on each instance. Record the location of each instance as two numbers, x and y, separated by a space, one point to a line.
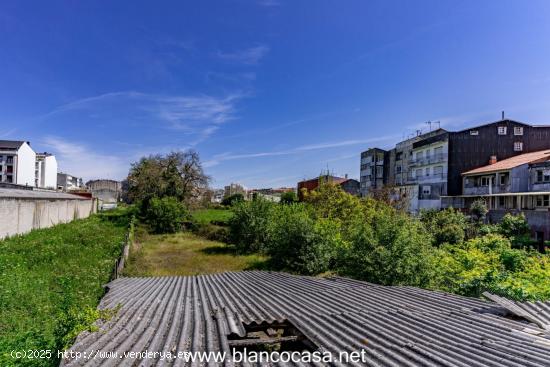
21 215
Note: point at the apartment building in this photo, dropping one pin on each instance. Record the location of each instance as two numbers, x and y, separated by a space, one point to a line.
17 162
234 188
68 182
45 171
429 166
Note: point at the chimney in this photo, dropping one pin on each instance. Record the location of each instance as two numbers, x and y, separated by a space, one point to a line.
493 159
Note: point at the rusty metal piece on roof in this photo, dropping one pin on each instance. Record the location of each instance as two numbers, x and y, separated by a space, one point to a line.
536 312
394 326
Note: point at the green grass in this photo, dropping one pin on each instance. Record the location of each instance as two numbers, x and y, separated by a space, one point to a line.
50 284
185 254
205 216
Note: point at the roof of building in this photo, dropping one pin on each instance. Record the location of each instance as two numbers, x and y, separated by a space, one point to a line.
395 326
11 144
502 121
512 162
6 193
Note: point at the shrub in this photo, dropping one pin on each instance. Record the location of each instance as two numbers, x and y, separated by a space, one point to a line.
289 197
299 243
446 226
165 215
249 225
391 249
516 228
479 210
233 199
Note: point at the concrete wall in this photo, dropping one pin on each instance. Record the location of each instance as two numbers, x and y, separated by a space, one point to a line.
26 158
19 216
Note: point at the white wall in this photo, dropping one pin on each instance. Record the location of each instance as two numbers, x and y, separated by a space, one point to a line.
19 216
50 172
26 159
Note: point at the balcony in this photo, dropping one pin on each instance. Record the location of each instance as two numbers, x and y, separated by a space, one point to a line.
431 159
470 189
428 178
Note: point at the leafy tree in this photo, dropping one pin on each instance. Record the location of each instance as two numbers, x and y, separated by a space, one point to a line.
479 210
165 215
391 249
446 226
516 228
231 200
299 243
178 174
289 197
249 225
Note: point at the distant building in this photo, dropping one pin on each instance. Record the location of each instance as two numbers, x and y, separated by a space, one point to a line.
349 185
217 195
233 189
106 191
17 162
45 171
66 182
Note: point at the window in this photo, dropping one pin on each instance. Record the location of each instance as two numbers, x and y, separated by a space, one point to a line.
9 179
543 200
399 156
427 171
419 155
438 171
398 169
542 175
418 173
518 130
426 190
501 130
9 159
485 181
501 201
503 178
474 132
518 146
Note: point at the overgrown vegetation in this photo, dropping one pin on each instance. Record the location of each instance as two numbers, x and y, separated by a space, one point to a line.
51 282
371 240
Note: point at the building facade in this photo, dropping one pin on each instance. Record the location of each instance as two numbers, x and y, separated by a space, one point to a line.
17 163
66 182
429 166
45 171
349 185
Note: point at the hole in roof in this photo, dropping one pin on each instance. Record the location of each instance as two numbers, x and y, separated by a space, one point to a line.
271 337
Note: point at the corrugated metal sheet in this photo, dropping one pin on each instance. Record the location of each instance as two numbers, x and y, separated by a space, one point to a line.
536 312
396 326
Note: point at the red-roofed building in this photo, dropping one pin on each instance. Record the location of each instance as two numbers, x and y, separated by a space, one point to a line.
349 185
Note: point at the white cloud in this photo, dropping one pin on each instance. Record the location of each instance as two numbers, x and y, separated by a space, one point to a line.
269 3
217 159
249 56
200 115
79 160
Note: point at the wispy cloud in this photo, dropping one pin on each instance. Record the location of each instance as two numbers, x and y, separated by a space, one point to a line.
217 159
79 160
7 133
199 115
248 56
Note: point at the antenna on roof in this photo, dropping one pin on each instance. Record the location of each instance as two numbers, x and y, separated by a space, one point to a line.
418 132
429 123
502 115
438 124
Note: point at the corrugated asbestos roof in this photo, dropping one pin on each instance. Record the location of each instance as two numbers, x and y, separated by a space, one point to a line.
512 162
37 194
536 312
396 326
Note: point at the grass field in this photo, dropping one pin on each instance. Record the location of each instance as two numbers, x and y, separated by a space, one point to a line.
50 284
185 254
205 216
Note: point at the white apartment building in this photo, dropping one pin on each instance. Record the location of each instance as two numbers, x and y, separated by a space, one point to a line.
17 162
428 168
45 171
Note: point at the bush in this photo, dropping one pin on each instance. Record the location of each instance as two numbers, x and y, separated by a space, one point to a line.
233 199
516 228
446 226
212 232
479 210
165 215
289 197
249 225
391 249
298 243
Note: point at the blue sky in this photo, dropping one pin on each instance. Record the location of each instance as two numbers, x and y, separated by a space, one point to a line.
267 91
